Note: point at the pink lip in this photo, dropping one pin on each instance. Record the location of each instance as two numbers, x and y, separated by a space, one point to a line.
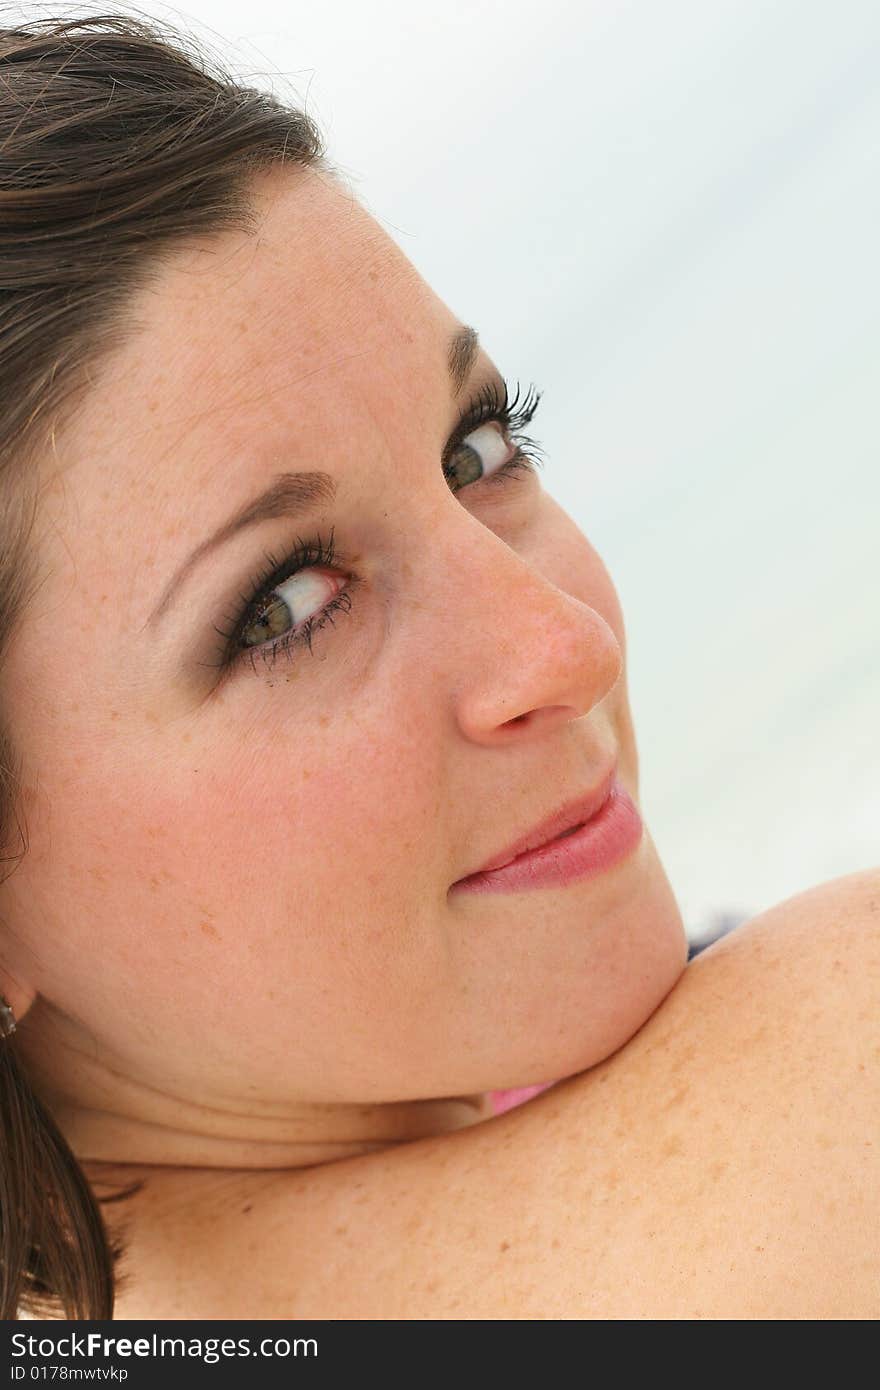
565 818
613 829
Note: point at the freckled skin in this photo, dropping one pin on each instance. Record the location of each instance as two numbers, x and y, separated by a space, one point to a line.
234 914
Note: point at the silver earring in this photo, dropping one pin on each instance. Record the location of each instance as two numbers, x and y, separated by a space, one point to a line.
7 1017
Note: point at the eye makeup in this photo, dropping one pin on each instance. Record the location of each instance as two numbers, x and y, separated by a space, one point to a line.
254 631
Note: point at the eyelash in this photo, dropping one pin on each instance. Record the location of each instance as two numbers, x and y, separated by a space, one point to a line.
487 406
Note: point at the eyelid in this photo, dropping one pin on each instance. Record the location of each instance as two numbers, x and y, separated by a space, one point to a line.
492 401
467 418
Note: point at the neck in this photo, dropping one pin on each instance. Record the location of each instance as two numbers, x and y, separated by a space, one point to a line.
108 1115
315 1134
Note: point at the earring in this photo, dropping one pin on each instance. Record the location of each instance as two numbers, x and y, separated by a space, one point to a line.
7 1017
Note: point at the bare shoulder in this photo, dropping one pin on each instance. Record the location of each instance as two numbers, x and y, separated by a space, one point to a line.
726 1162
805 970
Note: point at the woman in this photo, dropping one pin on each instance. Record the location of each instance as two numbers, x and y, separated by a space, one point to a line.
295 650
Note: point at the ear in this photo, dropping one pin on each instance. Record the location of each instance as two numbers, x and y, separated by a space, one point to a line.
15 1000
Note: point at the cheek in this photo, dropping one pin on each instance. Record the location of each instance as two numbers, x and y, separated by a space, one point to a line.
568 559
574 565
281 874
272 844
600 593
608 597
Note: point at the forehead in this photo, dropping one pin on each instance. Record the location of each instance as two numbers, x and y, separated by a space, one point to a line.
318 271
312 344
244 344
233 319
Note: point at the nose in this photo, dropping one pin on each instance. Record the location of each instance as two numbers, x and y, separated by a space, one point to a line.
526 653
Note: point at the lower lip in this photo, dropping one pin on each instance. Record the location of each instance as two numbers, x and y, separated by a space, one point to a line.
612 834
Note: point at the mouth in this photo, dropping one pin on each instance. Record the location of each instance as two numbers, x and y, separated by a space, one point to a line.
570 832
565 821
591 846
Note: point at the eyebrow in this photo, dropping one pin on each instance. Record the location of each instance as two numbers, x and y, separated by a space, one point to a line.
290 494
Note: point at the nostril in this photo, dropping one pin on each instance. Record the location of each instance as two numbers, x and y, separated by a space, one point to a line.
543 712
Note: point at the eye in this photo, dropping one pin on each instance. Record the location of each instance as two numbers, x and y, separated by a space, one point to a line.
294 597
291 604
487 444
279 613
480 455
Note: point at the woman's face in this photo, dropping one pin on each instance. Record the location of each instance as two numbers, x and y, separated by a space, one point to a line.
237 889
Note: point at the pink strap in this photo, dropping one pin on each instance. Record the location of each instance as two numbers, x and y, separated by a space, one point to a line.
506 1100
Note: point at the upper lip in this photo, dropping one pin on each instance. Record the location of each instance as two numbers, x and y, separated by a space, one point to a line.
566 817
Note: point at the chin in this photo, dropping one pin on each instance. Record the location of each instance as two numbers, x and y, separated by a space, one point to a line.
604 1019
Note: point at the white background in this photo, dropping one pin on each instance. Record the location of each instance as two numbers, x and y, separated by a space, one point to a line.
665 213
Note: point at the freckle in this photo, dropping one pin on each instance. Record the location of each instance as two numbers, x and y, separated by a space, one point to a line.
341 1230
683 1061
247 1208
186 738
209 930
505 1245
611 1180
672 1146
114 714
555 1243
323 720
717 1169
677 1097
104 598
154 882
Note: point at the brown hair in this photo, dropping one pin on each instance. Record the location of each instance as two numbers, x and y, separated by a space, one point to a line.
119 137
